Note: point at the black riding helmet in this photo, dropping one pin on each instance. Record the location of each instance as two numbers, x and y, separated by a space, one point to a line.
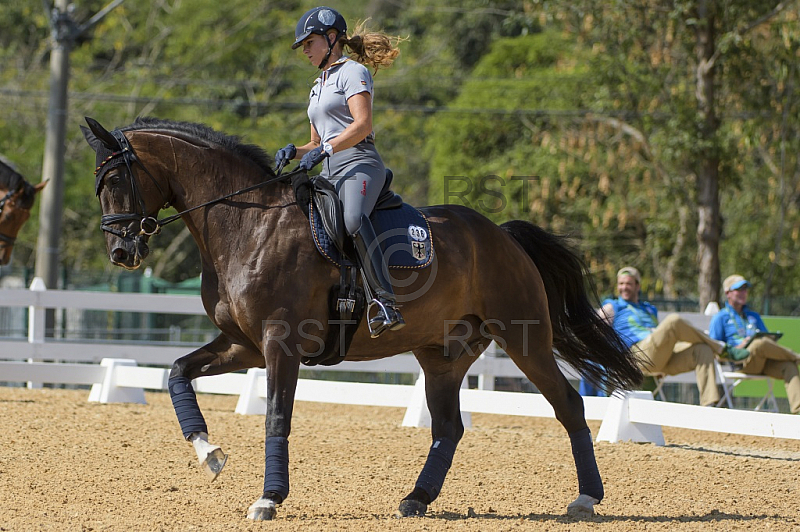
318 20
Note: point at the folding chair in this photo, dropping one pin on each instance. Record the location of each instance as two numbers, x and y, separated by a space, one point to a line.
690 377
732 378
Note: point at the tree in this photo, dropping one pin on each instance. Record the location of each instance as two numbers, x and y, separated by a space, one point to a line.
641 142
717 27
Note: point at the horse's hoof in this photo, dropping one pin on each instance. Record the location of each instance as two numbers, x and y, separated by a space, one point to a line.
411 508
262 510
214 463
582 507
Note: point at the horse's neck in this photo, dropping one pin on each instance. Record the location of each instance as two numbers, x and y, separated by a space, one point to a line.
230 225
215 177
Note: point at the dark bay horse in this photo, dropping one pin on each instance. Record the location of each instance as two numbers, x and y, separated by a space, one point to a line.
16 201
264 284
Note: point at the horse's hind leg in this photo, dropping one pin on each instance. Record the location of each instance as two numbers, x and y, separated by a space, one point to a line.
533 355
217 357
442 385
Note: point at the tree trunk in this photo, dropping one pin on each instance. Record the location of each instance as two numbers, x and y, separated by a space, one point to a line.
707 162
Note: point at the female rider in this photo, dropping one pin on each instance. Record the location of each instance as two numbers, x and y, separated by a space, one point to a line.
340 111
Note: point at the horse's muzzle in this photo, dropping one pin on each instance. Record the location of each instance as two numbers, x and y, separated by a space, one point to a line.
130 253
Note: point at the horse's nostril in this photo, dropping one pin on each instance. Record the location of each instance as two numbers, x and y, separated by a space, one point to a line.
119 255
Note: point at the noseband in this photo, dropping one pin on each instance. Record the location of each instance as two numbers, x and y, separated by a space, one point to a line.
4 237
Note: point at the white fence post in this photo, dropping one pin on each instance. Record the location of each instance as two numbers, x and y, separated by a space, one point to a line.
417 413
109 392
617 425
251 401
36 323
486 380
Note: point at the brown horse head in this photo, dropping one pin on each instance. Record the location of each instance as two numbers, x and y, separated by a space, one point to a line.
16 200
129 210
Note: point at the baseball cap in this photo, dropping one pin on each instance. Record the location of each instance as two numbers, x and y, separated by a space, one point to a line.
734 282
630 270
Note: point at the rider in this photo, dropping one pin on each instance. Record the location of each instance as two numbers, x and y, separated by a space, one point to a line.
340 111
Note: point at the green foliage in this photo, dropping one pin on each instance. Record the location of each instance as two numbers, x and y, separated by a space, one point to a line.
606 118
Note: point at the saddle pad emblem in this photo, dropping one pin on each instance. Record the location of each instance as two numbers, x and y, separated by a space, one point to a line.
417 233
419 251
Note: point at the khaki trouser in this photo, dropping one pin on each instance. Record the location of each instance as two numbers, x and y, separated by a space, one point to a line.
769 358
675 346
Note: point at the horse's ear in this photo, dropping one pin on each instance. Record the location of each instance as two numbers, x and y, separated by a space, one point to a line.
93 141
39 186
99 136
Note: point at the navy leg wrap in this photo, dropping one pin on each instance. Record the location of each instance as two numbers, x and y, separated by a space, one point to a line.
440 458
185 403
589 481
276 469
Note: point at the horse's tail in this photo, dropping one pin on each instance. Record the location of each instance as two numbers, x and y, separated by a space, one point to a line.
580 336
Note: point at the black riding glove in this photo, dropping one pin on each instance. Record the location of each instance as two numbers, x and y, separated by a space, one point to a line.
312 159
284 155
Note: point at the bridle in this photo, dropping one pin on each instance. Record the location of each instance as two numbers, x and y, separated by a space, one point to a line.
149 225
4 238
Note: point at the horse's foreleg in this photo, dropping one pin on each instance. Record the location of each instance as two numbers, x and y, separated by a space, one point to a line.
442 385
217 357
282 374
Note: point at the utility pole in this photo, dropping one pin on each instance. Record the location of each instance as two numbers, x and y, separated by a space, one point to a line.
64 32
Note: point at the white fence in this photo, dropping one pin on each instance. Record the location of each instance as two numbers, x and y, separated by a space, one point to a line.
112 371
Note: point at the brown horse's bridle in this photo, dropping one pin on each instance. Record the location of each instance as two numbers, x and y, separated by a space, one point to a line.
149 225
8 240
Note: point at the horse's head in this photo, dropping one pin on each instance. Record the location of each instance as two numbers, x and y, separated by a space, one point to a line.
129 204
16 202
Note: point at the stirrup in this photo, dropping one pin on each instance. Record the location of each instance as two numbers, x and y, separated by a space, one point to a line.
386 318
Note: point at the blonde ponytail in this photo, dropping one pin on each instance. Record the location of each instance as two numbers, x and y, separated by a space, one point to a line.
373 49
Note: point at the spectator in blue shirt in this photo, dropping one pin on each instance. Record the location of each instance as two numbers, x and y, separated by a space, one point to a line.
735 325
670 347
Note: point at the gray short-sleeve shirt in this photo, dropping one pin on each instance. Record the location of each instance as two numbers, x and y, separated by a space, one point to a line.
327 102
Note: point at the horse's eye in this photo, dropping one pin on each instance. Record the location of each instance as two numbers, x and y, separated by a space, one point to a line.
113 180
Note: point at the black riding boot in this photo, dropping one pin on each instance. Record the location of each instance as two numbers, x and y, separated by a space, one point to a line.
376 274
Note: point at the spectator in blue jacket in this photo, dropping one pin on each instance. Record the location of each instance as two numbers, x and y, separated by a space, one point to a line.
736 324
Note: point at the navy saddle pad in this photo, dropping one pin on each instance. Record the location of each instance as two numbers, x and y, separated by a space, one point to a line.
403 232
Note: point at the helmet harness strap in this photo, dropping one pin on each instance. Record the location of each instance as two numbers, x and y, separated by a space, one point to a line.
330 48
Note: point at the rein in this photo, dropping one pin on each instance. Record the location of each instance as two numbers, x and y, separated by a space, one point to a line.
149 225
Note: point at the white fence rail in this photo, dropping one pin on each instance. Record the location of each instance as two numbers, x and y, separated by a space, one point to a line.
112 371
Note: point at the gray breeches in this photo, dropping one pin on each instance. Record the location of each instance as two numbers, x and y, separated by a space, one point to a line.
358 174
